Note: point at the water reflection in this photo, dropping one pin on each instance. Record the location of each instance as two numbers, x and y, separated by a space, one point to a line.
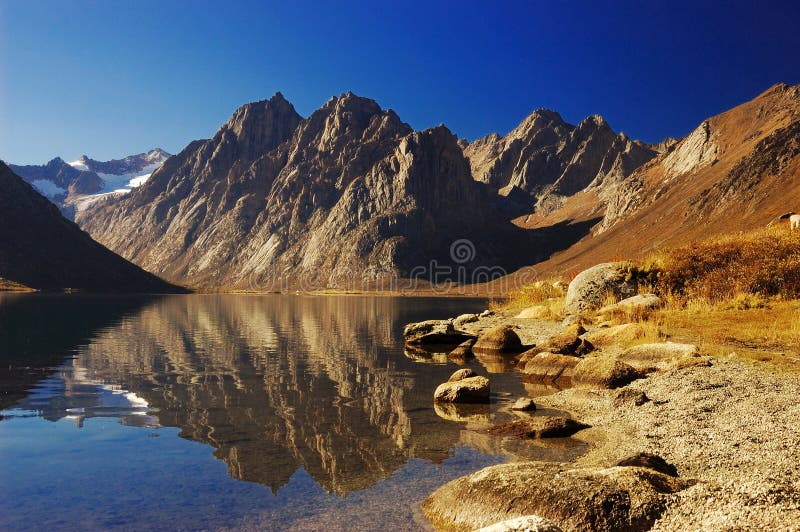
281 384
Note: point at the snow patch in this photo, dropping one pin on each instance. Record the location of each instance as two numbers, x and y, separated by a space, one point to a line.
48 188
78 165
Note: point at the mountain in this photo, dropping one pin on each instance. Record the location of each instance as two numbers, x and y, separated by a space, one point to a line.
349 195
551 160
41 249
736 171
76 185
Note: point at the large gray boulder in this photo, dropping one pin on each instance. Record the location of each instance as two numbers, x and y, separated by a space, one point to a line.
598 499
588 290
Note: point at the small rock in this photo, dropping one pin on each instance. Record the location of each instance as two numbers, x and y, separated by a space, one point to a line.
462 374
560 285
486 313
526 523
572 319
469 390
539 427
604 372
500 338
525 404
433 332
629 395
650 461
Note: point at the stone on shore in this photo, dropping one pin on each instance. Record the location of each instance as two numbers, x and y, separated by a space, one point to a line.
604 372
528 523
537 312
660 355
569 342
598 499
464 319
464 386
500 338
638 305
588 290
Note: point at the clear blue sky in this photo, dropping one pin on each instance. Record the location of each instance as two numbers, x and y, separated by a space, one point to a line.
113 77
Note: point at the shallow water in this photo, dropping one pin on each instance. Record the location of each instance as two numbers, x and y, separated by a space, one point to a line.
234 411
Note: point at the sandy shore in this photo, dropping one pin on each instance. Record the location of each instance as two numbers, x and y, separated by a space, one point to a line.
732 426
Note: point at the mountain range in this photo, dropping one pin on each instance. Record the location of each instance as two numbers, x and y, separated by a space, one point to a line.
76 185
351 196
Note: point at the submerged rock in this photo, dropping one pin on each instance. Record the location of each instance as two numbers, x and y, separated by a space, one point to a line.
598 499
500 338
539 427
463 351
434 332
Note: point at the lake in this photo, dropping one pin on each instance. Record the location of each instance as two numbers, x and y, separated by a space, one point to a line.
257 412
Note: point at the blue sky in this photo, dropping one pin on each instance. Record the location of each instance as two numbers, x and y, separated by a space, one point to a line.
108 78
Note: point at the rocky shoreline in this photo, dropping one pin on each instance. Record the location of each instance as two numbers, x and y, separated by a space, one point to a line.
683 442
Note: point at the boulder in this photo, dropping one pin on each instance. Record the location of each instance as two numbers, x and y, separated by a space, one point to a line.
463 351
528 523
650 461
537 312
538 427
500 338
525 356
569 342
638 305
550 366
661 355
617 334
597 499
524 404
604 372
434 332
486 313
466 390
589 289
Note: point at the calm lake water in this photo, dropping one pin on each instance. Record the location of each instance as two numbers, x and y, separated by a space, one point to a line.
234 412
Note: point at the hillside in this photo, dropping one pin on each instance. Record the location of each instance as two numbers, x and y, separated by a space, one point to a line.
41 249
736 171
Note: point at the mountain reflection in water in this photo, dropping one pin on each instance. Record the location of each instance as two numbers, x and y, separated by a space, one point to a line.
279 384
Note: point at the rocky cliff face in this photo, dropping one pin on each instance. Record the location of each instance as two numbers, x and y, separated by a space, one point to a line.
551 160
349 194
41 249
127 165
